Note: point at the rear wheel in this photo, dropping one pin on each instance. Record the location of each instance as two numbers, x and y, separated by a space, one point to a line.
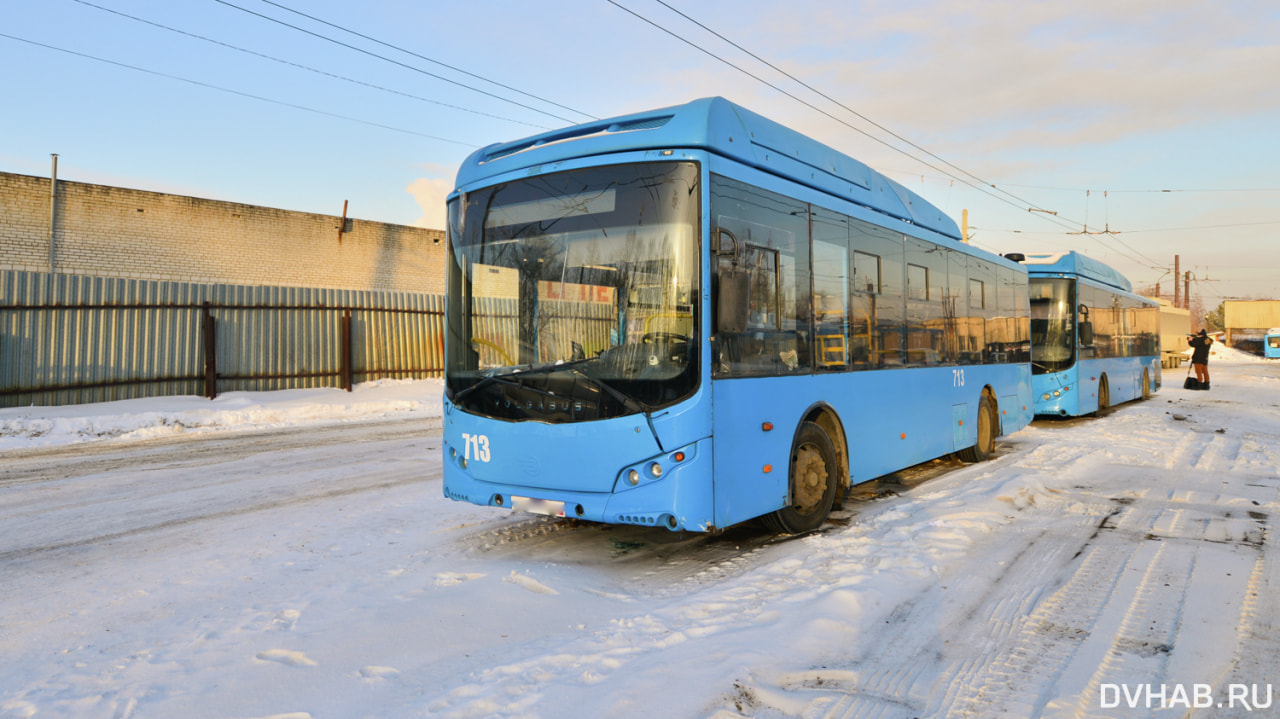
1146 385
812 483
985 444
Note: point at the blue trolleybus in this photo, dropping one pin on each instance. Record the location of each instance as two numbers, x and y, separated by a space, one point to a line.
1094 343
691 317
1271 343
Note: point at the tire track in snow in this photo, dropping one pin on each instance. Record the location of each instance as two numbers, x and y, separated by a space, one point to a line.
1014 680
1139 650
908 674
30 551
1258 637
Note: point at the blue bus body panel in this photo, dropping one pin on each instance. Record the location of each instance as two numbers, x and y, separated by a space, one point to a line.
891 419
1078 386
583 465
586 465
718 126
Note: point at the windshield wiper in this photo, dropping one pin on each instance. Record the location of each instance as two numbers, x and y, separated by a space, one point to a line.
612 391
509 379
486 380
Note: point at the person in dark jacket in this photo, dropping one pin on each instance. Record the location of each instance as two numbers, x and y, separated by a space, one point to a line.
1200 356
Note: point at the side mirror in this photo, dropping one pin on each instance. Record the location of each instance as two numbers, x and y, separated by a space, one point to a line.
1086 334
732 302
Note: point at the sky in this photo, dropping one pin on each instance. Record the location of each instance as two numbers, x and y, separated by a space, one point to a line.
1133 130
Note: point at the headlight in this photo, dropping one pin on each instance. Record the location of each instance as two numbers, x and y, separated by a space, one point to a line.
656 470
633 477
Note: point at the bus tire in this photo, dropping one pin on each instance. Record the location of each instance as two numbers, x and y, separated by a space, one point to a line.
812 481
1146 384
1104 397
985 443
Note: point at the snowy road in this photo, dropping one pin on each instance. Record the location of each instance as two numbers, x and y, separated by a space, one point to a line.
94 494
1124 566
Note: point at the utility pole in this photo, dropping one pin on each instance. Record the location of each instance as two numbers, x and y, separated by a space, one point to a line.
964 226
53 210
1176 274
1186 293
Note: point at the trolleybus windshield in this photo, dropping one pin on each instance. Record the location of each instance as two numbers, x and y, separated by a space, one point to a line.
572 295
1053 333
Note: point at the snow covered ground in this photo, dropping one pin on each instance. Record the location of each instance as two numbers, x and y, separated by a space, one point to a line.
290 555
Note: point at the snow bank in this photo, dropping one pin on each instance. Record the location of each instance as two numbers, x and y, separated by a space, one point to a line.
133 419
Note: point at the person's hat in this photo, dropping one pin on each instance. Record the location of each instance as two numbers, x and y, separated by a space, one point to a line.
1202 333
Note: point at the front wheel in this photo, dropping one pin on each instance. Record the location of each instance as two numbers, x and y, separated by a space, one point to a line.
812 483
1104 397
985 444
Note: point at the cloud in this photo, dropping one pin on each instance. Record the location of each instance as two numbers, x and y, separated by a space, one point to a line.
1010 74
430 193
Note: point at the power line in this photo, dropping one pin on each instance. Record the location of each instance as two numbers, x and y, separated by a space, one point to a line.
1189 190
431 60
982 187
1207 227
1158 191
394 62
1113 234
237 92
842 105
306 67
1133 232
802 101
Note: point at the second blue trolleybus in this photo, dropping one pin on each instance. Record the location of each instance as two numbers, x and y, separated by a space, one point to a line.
1271 343
1094 343
691 317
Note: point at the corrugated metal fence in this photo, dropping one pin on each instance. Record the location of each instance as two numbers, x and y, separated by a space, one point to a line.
69 339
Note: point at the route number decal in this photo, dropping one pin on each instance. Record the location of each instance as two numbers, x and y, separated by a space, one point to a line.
476 447
957 378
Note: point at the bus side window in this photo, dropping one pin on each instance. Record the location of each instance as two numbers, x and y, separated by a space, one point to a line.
876 311
868 341
831 320
926 319
773 236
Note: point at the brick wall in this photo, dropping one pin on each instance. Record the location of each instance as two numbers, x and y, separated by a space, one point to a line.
117 232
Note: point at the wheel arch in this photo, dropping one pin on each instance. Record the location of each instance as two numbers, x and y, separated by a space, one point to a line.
990 393
826 417
1103 392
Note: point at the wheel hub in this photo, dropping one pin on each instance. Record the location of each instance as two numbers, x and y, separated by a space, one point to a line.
811 478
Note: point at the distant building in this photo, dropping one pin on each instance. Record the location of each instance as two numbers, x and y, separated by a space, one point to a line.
1246 322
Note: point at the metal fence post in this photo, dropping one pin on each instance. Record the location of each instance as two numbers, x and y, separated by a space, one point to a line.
210 354
345 360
